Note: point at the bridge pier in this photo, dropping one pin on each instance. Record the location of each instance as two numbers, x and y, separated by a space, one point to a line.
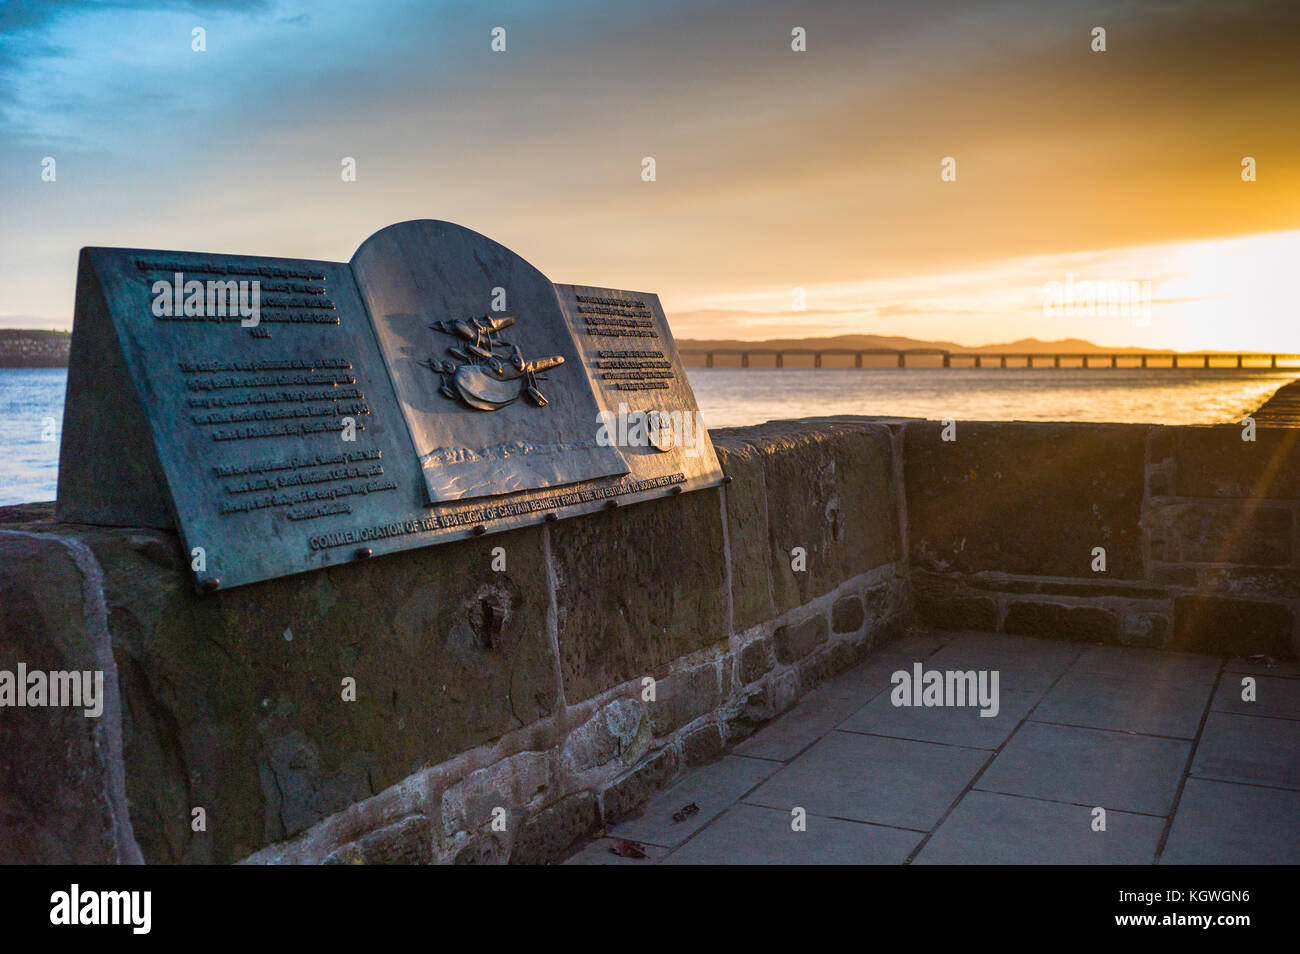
1085 360
817 360
1114 361
1175 361
902 360
1273 364
1029 361
1239 361
1004 361
977 362
947 361
708 359
1144 361
857 360
744 359
1207 361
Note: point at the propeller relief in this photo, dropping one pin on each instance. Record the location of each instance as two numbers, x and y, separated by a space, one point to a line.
484 371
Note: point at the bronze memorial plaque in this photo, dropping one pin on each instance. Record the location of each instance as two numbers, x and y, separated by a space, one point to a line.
285 415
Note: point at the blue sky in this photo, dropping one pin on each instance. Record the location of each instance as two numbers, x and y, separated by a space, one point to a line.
775 169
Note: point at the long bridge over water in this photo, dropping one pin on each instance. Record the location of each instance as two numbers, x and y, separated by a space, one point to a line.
1009 359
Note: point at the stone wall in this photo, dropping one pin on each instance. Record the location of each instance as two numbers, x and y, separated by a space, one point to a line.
1198 528
501 713
551 696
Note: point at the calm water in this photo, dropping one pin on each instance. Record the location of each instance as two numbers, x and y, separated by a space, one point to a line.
31 402
733 397
31 420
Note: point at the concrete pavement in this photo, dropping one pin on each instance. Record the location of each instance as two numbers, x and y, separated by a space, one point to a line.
1185 770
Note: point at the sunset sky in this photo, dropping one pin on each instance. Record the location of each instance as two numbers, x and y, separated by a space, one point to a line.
776 170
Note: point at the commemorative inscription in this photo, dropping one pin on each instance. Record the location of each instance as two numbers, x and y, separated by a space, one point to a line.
286 415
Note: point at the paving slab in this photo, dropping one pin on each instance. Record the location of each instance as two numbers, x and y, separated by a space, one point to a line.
601 852
950 725
1250 749
1130 703
1147 663
711 788
752 835
1093 767
1023 662
987 828
1079 727
822 709
873 779
1221 823
918 645
1275 697
1287 669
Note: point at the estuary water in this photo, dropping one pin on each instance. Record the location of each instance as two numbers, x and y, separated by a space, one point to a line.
31 402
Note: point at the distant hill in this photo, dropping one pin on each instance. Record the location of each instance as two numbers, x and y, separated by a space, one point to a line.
1023 346
21 348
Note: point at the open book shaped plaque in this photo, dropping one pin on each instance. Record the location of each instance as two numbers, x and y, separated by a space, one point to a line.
286 415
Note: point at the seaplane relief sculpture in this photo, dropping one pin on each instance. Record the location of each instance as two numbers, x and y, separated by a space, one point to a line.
488 372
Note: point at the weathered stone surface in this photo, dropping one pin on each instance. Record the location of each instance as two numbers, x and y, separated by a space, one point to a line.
299 793
625 794
34 516
230 696
1160 474
754 661
747 530
702 745
683 697
847 615
886 631
796 640
1216 462
762 704
1252 582
1221 533
513 783
1032 499
1061 622
545 837
407 842
637 587
1101 587
1149 630
1173 575
619 730
489 849
888 599
1212 624
60 799
814 670
944 603
830 490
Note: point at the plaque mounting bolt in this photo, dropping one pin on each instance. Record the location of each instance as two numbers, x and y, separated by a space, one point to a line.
364 552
